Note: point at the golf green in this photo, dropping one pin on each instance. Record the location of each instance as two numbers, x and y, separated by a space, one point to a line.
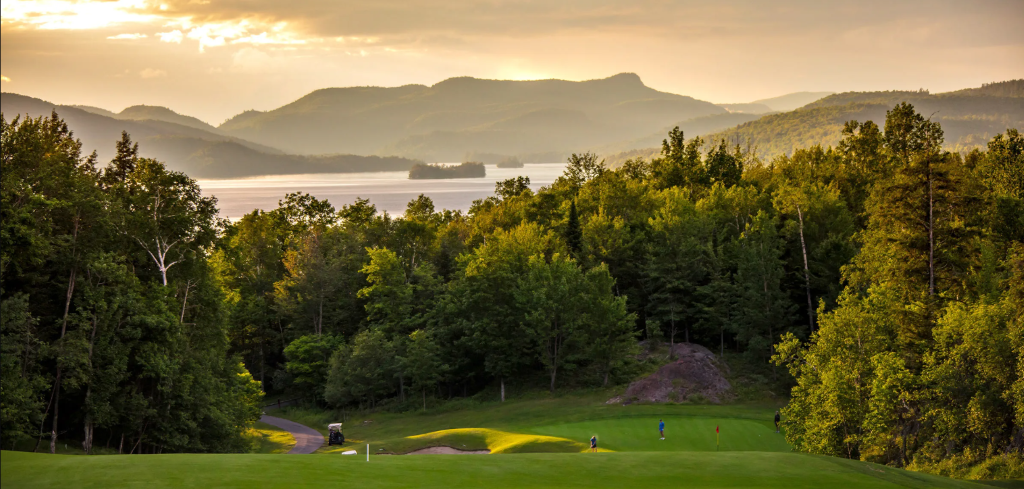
682 433
649 470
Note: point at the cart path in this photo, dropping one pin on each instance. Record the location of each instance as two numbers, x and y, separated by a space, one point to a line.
307 440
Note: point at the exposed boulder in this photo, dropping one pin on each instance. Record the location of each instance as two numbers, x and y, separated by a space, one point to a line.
696 373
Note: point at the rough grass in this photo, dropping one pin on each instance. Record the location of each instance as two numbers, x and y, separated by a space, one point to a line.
272 439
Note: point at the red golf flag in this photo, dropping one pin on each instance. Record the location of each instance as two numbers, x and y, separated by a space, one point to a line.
716 429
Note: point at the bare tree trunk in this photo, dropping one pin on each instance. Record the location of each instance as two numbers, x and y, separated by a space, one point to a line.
807 271
672 334
87 442
87 439
56 407
502 389
42 420
120 448
56 386
554 372
263 364
424 398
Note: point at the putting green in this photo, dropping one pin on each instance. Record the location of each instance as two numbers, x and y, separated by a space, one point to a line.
650 470
682 433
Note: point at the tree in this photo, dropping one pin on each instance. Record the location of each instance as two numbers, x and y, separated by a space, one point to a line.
484 304
421 363
677 255
364 370
680 165
308 360
550 294
512 187
582 168
165 213
824 228
761 304
724 167
389 294
610 338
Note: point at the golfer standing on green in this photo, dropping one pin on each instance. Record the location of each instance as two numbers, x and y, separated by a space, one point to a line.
661 428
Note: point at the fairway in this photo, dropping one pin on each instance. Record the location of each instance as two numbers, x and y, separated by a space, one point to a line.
535 443
690 434
612 470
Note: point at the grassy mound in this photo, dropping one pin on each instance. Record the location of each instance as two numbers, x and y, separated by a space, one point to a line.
499 441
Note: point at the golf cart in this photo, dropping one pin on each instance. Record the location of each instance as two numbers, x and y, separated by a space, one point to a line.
334 434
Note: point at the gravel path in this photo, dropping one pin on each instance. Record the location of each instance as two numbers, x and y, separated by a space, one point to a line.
307 440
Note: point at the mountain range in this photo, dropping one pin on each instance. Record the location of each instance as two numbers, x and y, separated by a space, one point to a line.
377 129
188 144
444 121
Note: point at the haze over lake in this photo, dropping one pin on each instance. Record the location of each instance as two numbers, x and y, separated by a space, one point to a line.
389 191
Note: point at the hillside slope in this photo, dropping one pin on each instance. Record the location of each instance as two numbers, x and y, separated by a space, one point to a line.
969 119
445 121
792 101
189 148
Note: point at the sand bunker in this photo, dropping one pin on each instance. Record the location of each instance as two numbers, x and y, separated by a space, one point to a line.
447 451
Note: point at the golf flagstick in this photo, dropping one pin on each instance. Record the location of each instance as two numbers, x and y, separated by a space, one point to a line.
716 438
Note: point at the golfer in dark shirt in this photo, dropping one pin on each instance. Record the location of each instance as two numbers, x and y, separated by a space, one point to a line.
777 419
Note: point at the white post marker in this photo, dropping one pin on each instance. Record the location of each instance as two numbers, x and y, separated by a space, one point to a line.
367 452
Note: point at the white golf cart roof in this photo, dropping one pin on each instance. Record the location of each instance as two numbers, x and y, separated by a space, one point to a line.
334 426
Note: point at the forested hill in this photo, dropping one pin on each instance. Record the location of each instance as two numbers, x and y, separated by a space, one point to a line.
969 117
445 121
188 144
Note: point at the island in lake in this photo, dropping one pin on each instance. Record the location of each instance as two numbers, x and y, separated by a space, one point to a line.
422 171
510 162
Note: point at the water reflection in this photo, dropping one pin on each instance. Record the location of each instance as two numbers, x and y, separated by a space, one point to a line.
389 191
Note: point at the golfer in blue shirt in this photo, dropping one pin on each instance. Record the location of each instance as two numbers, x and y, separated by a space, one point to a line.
661 428
593 443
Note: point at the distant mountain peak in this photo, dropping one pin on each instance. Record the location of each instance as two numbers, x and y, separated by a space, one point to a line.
623 79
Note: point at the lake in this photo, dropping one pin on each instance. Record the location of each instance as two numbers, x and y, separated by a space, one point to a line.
389 191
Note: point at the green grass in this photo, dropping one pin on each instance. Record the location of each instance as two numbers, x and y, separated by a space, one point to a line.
538 443
682 434
273 439
649 470
525 416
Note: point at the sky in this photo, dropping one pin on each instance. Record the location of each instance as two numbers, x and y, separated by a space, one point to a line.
213 59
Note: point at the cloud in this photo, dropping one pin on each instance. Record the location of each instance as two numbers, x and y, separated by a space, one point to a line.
70 14
128 36
4 79
152 73
174 36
